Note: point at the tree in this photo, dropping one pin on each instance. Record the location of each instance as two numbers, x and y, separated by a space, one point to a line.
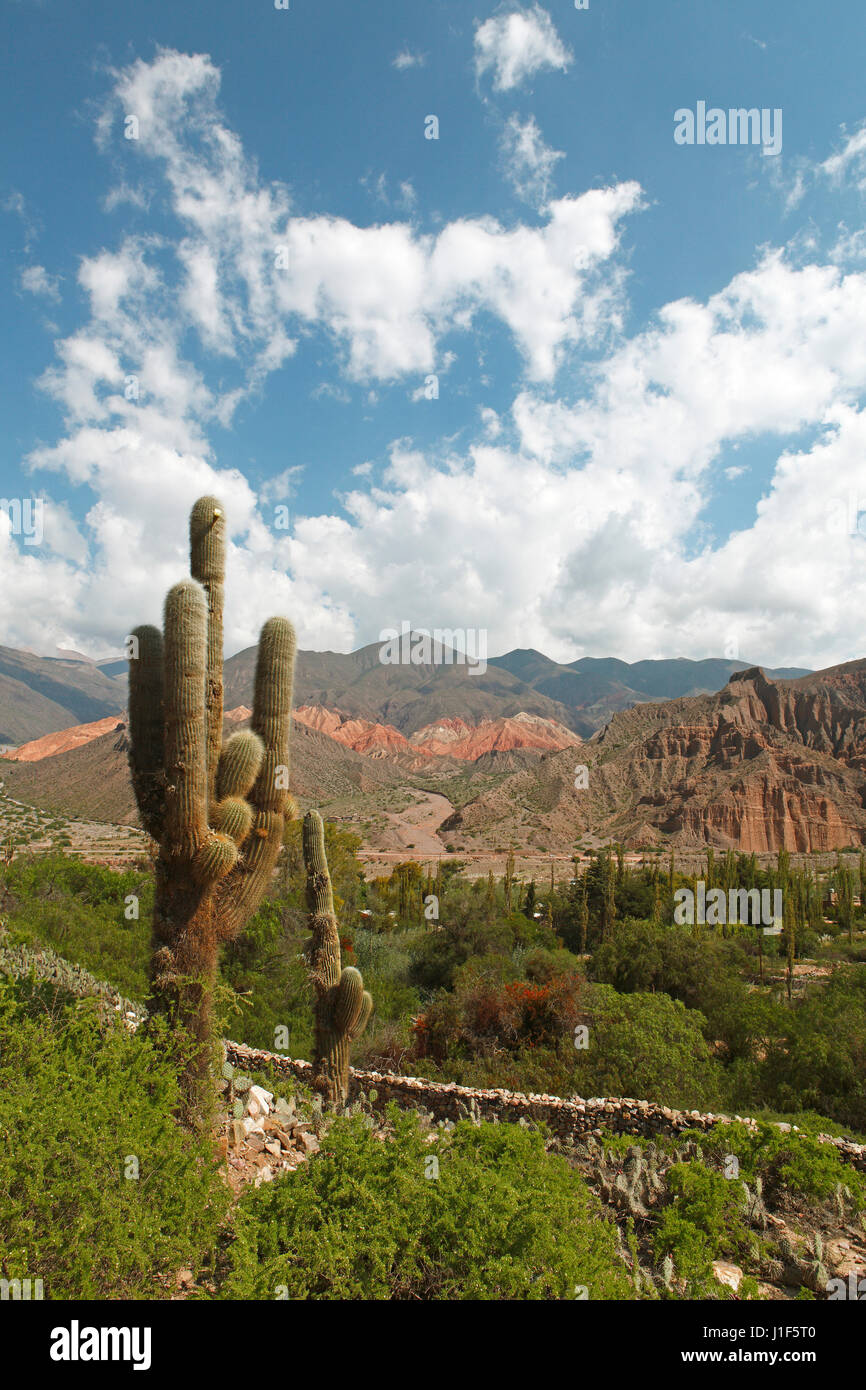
845 900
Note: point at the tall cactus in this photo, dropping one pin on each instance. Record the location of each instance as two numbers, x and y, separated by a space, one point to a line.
343 1006
217 812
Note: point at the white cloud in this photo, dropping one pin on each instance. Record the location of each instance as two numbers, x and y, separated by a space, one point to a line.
529 162
35 279
282 485
516 45
849 162
589 533
124 195
404 200
407 59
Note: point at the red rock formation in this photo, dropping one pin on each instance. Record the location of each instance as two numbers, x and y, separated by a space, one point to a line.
362 735
63 740
456 739
762 765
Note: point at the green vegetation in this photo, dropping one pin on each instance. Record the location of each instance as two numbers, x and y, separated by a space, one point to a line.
493 991
784 1162
704 1222
482 1213
102 1193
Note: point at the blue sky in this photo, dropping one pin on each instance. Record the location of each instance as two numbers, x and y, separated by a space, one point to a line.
649 358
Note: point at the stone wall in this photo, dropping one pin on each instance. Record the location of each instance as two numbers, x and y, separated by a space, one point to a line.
567 1119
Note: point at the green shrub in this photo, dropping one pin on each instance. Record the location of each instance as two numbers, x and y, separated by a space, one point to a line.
503 1220
703 1223
78 1102
797 1164
80 911
819 1063
645 1045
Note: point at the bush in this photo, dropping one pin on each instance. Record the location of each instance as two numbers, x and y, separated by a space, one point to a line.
820 1061
503 1220
704 1222
790 1163
80 911
484 1014
78 1101
648 1046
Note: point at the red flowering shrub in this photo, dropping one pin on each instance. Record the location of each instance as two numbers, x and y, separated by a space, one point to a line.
487 1017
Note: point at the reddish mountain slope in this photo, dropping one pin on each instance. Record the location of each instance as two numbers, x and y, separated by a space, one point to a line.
762 765
457 739
61 742
449 738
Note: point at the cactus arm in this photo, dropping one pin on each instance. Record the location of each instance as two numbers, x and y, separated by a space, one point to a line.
185 719
272 713
343 1006
323 957
146 728
364 1015
269 797
208 565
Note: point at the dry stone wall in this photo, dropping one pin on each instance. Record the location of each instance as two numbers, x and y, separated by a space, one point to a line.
567 1119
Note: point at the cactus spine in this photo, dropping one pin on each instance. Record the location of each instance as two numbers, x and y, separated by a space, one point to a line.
216 812
343 1006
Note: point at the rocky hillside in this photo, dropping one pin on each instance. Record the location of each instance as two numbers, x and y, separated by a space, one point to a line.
42 695
450 738
39 695
91 781
761 765
581 696
61 742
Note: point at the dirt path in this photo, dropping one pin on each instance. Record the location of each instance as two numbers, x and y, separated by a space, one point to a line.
412 831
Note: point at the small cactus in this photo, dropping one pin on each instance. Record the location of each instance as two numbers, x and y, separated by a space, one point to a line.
343 1006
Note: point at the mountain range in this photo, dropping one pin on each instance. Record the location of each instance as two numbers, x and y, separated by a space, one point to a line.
43 695
528 752
760 765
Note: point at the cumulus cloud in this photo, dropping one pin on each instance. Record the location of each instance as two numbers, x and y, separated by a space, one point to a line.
517 44
580 521
529 162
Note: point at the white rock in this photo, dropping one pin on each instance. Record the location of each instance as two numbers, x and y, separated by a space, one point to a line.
259 1102
252 1125
728 1274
